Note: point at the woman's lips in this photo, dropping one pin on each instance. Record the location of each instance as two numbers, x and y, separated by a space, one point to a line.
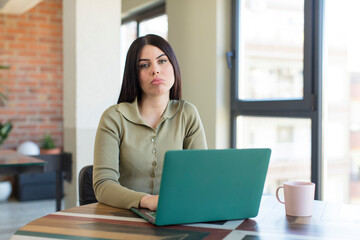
157 81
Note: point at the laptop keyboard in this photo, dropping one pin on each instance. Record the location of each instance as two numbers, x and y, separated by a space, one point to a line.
151 214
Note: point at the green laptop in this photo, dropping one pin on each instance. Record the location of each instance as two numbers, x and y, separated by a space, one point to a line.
209 185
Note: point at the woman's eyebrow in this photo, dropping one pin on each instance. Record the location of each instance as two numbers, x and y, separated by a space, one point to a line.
145 59
160 56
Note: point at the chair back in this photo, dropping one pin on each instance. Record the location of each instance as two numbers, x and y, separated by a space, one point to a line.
86 191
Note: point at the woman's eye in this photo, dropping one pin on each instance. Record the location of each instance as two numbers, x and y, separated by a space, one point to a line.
162 61
144 65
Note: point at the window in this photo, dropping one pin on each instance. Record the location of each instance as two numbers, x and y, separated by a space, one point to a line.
150 21
276 98
271 48
341 101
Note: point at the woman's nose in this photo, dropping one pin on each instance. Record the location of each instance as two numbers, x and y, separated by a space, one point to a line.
155 69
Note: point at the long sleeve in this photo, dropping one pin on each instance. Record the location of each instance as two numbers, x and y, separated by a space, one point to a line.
106 165
195 135
129 154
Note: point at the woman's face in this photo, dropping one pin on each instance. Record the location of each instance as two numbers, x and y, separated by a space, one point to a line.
156 73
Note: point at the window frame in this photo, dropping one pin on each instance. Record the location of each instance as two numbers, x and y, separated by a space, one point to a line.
309 107
144 14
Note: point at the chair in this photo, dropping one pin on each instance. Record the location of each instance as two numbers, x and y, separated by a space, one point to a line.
86 191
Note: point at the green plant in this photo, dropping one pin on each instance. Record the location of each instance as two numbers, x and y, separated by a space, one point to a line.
4 131
3 97
47 142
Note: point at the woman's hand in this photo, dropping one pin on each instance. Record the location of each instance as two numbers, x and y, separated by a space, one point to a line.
150 202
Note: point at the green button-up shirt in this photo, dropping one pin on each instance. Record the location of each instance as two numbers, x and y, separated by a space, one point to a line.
129 154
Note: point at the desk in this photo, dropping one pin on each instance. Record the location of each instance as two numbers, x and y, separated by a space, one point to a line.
98 221
12 162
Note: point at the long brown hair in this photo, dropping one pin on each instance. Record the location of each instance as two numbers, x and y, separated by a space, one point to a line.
130 88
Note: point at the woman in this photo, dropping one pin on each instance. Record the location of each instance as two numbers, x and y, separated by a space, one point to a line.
149 119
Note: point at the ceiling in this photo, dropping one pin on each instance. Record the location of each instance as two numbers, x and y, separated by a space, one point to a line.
17 6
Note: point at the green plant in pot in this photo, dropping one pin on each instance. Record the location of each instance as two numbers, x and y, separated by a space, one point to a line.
47 145
4 131
3 97
6 127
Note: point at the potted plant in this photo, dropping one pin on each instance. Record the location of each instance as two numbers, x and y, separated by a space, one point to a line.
3 98
7 126
5 181
47 146
4 131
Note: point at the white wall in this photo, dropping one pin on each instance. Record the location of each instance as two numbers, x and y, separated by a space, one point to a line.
199 31
91 76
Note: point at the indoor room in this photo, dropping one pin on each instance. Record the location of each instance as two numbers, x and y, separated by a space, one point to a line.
260 74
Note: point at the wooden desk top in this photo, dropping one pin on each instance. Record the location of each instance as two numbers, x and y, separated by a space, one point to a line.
14 162
98 221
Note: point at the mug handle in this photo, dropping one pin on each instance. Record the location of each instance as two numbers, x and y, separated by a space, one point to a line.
277 194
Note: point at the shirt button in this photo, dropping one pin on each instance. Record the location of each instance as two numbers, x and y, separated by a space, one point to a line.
154 151
153 139
154 163
153 175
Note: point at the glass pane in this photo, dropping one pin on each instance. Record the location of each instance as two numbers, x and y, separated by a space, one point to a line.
341 101
289 140
128 33
271 49
157 25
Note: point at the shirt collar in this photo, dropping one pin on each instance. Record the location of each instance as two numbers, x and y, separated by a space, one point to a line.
131 111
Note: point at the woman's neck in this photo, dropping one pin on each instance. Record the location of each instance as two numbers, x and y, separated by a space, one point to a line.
151 109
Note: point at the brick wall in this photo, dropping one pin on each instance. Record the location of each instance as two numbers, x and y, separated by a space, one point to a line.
31 44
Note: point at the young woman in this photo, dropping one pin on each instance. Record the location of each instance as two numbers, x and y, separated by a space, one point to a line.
149 119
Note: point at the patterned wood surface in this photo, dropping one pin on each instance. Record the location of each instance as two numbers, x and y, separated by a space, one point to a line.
98 221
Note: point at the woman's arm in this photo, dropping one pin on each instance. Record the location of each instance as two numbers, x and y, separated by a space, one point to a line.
106 164
195 135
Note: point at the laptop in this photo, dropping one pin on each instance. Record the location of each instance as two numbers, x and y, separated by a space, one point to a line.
209 185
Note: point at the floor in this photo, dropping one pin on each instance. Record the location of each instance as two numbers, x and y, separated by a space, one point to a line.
15 214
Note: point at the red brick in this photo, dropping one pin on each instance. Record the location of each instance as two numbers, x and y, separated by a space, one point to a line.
28 68
15 31
38 33
56 34
38 61
8 112
27 53
4 37
27 83
38 18
27 39
17 45
48 112
50 40
38 76
16 90
38 47
47 26
48 126
53 5
32 44
47 12
26 24
25 97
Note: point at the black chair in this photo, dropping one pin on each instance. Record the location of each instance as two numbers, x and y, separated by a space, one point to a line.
86 191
